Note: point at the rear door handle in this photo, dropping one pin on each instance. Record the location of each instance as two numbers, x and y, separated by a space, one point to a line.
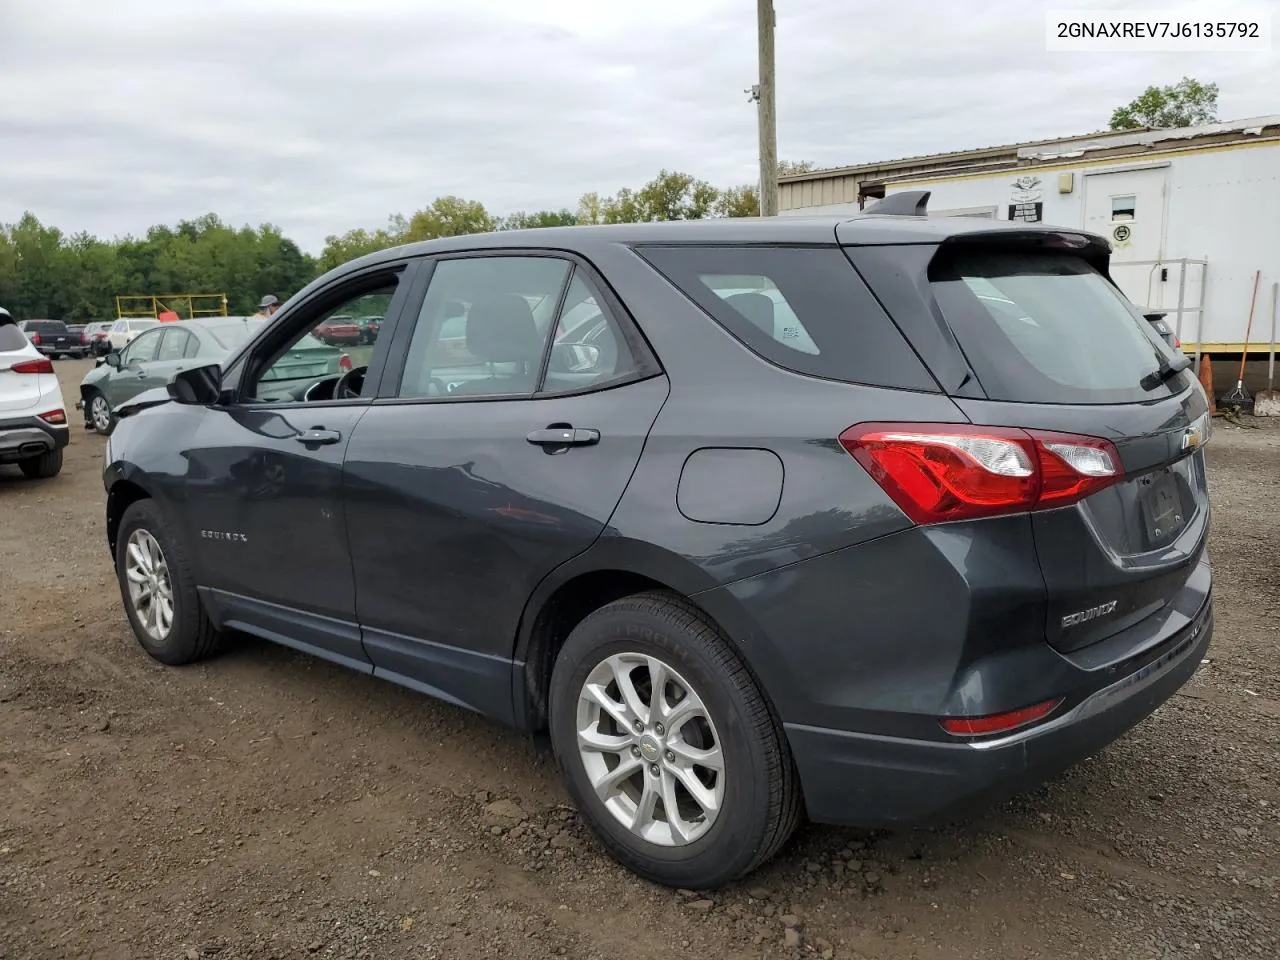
564 437
318 435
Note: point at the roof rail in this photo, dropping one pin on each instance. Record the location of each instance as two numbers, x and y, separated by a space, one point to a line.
908 203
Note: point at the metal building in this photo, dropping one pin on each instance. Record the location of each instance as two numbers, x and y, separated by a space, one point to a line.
1191 213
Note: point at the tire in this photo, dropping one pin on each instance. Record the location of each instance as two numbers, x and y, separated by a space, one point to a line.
191 635
759 795
42 467
105 424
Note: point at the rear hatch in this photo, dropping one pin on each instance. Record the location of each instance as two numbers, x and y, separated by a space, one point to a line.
20 392
1027 331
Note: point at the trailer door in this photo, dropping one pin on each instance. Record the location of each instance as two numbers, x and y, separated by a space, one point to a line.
1128 207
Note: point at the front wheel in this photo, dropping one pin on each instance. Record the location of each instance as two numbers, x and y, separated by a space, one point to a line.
159 589
100 415
667 745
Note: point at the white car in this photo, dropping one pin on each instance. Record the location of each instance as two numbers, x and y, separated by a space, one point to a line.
124 330
33 417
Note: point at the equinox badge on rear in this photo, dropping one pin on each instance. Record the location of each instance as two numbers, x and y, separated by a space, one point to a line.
1084 616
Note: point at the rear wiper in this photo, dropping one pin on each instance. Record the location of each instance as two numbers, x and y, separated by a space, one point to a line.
1165 372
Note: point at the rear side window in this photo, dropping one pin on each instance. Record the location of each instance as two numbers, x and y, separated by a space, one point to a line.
11 337
1048 328
804 309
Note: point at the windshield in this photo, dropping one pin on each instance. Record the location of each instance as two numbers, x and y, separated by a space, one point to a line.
1049 329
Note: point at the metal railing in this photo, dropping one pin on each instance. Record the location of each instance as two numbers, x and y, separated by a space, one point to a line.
195 304
1183 263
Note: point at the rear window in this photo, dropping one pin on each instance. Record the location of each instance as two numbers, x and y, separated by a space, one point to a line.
802 308
46 326
1048 328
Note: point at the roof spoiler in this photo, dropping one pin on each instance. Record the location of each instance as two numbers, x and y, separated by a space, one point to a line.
908 203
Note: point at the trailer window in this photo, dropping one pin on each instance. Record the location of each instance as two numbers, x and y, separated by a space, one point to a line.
1123 208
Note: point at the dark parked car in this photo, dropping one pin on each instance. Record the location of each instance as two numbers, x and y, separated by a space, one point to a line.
758 518
53 338
370 327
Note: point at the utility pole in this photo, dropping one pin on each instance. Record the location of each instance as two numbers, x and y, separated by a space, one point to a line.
765 104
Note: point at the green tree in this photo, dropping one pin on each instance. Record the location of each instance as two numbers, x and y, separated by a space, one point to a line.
590 209
741 201
353 244
789 168
449 217
1186 103
541 218
676 196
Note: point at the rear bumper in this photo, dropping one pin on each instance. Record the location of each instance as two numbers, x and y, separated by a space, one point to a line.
26 437
870 780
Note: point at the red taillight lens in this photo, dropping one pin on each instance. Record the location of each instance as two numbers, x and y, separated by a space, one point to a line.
56 417
43 365
35 339
344 362
942 472
998 722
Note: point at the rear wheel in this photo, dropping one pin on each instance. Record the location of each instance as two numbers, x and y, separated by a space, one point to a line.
668 746
44 466
159 590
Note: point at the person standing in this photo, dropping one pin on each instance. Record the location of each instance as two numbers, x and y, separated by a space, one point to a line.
268 306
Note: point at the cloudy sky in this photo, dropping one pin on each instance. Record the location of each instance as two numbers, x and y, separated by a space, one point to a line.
323 115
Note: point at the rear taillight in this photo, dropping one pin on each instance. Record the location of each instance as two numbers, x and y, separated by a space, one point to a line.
938 472
998 722
43 365
56 417
35 339
344 362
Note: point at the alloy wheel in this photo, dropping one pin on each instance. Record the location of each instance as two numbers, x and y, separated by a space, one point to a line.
100 413
650 749
150 584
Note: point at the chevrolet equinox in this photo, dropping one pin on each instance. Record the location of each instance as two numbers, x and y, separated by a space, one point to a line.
867 519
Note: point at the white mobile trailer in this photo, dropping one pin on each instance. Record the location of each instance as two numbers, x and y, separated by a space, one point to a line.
1191 213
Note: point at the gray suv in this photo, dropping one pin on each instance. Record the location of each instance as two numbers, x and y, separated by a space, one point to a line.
869 519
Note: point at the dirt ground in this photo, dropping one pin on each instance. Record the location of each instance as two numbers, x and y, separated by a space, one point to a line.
266 804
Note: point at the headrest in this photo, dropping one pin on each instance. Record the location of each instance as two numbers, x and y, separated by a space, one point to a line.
501 329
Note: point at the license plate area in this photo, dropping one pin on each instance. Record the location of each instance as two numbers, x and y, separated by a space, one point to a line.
1161 507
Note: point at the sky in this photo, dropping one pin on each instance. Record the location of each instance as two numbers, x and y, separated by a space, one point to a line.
324 115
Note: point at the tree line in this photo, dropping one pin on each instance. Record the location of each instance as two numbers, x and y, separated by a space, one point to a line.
47 273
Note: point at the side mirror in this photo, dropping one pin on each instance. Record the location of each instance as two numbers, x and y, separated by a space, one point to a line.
574 358
199 386
112 359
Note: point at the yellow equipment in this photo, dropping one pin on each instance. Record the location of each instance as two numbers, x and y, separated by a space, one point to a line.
185 304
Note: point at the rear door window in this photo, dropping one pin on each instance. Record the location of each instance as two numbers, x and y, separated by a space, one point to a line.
1048 328
802 308
11 337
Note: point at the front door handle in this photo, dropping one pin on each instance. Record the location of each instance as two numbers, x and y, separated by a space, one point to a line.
318 435
564 437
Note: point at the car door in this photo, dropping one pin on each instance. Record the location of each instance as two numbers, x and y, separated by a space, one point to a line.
172 356
264 485
130 378
475 473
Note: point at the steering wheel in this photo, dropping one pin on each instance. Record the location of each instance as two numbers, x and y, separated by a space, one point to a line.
349 385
